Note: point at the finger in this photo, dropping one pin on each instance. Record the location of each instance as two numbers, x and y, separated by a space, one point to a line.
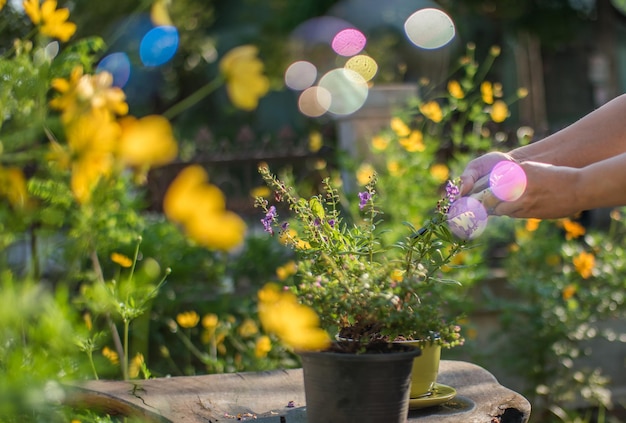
468 178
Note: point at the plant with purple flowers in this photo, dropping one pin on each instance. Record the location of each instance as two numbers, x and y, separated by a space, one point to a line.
362 285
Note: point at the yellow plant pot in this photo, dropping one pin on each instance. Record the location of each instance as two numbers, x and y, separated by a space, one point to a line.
425 369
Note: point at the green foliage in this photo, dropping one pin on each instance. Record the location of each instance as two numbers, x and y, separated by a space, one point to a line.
37 350
565 288
361 286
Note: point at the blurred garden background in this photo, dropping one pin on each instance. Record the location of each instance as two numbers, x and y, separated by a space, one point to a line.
112 266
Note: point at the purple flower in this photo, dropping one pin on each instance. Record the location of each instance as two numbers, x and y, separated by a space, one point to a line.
269 219
452 191
364 197
331 222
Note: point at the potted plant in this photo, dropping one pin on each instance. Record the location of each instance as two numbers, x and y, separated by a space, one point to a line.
367 291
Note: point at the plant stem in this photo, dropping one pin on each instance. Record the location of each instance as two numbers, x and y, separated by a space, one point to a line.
194 98
114 332
92 364
125 363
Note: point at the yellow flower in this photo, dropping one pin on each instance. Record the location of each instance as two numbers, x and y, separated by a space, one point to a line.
2 3
365 173
380 143
188 319
13 187
315 141
222 231
440 172
53 21
283 272
248 328
135 365
200 208
159 14
121 259
148 141
393 167
397 275
260 191
455 90
569 291
88 321
572 229
584 264
210 320
191 184
486 92
111 355
432 111
295 324
499 111
263 346
532 224
82 94
400 128
414 142
245 82
92 139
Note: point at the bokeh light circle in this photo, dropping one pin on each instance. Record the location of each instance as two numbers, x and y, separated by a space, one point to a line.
314 101
300 75
467 218
507 181
347 88
118 65
158 46
348 42
363 65
429 28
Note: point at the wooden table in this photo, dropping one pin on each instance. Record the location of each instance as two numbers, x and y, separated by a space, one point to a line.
278 397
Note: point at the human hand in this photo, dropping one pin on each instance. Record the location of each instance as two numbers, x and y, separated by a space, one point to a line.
476 174
551 192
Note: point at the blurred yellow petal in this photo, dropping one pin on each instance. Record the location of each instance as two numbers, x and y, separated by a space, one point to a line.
13 187
400 128
365 173
210 320
31 8
486 92
189 188
315 141
135 365
262 347
159 15
414 142
121 259
245 81
440 172
455 90
220 231
187 319
380 143
432 111
248 328
499 111
584 264
260 191
148 141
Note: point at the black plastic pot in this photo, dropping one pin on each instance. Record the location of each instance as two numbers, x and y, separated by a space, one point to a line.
358 388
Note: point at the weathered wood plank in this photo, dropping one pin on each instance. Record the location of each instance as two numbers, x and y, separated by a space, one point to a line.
278 396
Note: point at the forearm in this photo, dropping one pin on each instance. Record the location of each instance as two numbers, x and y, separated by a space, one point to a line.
597 136
603 184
